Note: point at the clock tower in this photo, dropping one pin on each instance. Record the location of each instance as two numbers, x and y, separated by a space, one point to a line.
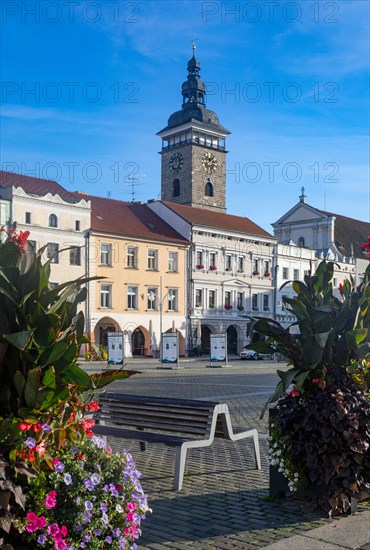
193 150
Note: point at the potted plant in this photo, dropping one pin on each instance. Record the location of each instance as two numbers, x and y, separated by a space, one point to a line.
240 308
229 269
267 274
228 307
319 428
213 267
256 272
200 266
45 403
198 304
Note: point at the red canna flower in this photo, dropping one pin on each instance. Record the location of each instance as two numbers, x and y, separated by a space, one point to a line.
366 246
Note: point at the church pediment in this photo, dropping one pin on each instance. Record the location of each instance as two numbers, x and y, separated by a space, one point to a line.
301 212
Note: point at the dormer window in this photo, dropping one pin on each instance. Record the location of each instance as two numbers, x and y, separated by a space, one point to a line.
301 242
53 220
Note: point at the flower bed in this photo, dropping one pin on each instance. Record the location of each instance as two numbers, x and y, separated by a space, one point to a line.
60 487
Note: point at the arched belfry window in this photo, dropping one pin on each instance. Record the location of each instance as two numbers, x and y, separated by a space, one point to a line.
301 242
176 187
208 190
53 220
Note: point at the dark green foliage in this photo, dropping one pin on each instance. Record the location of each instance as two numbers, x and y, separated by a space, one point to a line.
329 436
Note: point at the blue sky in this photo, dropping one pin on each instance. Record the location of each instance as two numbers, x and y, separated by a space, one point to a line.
86 85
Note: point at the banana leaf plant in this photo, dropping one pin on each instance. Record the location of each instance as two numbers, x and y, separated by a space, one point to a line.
41 331
332 332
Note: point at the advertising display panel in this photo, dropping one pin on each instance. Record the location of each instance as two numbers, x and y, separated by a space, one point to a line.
115 348
170 347
218 347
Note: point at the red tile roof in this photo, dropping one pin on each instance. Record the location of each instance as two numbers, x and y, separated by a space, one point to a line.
218 220
130 219
36 186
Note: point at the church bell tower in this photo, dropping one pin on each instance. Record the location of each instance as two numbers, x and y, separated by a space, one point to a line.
193 150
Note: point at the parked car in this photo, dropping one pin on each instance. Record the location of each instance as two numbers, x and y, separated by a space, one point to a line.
251 354
248 354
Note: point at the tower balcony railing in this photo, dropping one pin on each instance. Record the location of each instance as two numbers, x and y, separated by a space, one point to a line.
186 141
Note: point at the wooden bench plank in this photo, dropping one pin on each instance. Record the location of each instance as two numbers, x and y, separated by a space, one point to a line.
180 423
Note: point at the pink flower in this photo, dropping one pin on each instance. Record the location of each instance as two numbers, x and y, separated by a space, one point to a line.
130 516
50 500
64 530
53 529
31 516
127 531
131 506
41 522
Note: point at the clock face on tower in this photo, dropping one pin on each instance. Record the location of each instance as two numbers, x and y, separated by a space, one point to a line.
209 162
176 162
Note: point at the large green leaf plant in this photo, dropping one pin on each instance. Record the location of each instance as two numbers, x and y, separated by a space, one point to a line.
333 333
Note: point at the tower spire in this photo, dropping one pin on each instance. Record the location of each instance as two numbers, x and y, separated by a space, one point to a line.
193 89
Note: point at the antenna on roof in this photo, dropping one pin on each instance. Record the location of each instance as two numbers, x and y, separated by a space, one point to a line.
193 45
134 181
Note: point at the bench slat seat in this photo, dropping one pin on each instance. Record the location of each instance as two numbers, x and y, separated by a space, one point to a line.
180 423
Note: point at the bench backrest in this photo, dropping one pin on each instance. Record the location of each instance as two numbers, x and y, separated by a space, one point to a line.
157 414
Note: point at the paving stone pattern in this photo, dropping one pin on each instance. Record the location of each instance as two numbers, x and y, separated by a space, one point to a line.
224 502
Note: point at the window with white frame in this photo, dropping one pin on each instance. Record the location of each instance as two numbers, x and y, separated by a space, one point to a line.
256 270
240 264
285 273
198 297
52 252
212 299
152 299
199 259
266 302
306 272
105 296
32 244
27 217
152 259
75 255
172 299
267 266
296 274
132 257
227 298
239 301
105 254
212 259
172 262
77 225
255 302
132 297
53 220
228 262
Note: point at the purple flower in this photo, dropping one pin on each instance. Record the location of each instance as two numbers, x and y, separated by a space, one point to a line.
97 532
116 533
88 484
109 539
99 441
82 545
74 449
46 428
88 505
95 478
30 442
106 488
67 479
86 537
59 467
104 518
134 546
103 507
41 539
78 527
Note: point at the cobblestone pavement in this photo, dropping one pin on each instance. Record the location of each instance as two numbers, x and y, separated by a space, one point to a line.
224 502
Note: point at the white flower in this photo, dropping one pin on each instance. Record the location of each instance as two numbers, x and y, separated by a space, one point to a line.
119 509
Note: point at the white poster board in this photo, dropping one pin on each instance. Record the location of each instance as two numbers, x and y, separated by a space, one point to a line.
170 347
115 348
218 344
